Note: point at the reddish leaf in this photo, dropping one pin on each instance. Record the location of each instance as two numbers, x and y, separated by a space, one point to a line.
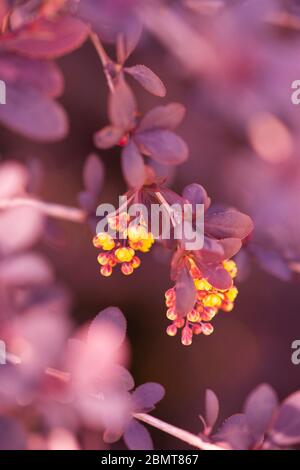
44 76
163 146
228 224
122 106
286 430
147 395
108 137
260 408
127 41
12 435
113 318
185 293
93 174
235 432
133 165
217 277
24 269
48 38
164 117
148 79
196 194
32 114
137 437
211 408
231 246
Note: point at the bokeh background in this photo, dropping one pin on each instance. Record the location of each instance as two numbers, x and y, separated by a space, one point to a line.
233 155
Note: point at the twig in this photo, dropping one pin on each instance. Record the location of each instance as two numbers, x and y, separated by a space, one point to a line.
57 211
181 434
104 59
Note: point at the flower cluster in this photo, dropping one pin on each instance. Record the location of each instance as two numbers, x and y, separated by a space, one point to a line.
122 250
209 300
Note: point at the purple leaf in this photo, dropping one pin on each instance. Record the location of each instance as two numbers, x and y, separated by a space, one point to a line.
163 117
146 396
271 261
87 201
122 106
32 114
43 75
260 408
286 430
108 137
111 318
24 269
12 435
127 42
133 165
217 277
235 432
137 437
228 224
93 174
162 145
211 408
231 246
148 79
196 194
185 293
49 39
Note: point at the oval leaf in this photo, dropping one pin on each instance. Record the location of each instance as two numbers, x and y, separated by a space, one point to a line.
137 437
185 293
133 165
163 117
146 396
260 408
163 146
148 79
108 137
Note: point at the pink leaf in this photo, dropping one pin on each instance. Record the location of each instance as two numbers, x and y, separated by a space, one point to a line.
32 114
185 293
147 395
93 174
228 224
122 105
162 145
133 165
211 408
286 430
128 41
196 194
24 269
111 318
43 75
260 408
108 137
49 39
163 117
137 437
148 79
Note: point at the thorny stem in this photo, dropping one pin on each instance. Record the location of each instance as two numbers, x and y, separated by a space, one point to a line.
57 211
104 59
181 434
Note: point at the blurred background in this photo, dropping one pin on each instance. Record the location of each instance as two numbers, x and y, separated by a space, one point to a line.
243 132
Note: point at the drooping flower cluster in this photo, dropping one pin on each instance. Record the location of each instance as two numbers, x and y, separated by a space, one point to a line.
209 300
122 250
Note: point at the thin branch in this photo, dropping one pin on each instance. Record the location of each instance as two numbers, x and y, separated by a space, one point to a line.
181 434
57 211
104 59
